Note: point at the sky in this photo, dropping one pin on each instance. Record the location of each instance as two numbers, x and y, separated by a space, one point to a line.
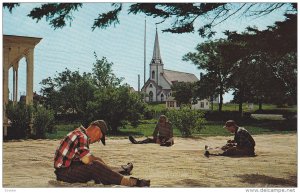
74 45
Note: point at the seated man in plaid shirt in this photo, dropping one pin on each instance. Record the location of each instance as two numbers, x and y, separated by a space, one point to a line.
74 162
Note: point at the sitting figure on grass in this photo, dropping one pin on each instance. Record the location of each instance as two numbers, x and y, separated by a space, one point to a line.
74 162
242 145
163 134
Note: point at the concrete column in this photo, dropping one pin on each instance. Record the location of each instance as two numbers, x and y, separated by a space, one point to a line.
14 85
5 88
17 80
29 82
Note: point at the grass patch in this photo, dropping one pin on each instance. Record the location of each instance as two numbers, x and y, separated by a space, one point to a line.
61 130
246 108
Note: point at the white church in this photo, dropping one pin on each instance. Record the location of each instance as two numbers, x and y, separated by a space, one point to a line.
158 86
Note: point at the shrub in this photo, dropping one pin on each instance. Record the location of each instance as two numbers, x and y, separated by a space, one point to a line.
186 120
43 122
20 116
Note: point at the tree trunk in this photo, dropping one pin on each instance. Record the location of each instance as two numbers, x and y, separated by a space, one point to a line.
241 100
241 108
221 101
212 103
260 105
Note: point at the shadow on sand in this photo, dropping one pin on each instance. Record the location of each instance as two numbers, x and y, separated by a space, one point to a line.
268 180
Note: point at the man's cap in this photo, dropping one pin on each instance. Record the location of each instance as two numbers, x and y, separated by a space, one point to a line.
230 123
102 125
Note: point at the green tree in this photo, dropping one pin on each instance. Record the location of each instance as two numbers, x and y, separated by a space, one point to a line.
96 95
43 121
117 106
271 60
217 58
68 92
20 116
183 92
186 120
103 75
181 16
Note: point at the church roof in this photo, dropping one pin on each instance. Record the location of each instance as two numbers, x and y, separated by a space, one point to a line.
174 76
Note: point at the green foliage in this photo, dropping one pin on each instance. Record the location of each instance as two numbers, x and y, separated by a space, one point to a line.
270 60
10 6
106 19
217 58
68 92
61 130
56 13
116 106
20 116
103 75
186 120
180 16
183 92
43 121
90 96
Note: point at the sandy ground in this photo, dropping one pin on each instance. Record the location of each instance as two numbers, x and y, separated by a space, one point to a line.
30 163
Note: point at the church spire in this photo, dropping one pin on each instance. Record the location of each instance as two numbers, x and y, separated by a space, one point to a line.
156 51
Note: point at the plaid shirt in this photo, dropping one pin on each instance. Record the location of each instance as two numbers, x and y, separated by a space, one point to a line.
243 138
74 147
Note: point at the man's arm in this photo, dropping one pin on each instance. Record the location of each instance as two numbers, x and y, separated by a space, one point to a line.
90 158
155 132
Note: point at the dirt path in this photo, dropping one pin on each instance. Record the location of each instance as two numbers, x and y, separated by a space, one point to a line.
30 163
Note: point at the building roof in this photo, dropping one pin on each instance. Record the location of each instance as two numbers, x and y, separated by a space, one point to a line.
174 76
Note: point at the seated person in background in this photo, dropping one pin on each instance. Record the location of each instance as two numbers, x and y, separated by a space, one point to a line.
163 134
242 145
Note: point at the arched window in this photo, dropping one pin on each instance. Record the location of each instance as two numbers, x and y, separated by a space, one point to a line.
162 97
150 85
150 96
153 74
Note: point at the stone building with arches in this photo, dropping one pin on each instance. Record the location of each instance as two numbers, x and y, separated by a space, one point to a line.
14 49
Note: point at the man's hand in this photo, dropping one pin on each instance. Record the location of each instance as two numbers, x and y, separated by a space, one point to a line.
230 141
90 158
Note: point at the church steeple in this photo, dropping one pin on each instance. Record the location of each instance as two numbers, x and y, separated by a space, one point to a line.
156 65
156 51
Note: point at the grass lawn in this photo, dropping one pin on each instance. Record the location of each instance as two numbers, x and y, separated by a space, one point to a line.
263 124
235 107
62 130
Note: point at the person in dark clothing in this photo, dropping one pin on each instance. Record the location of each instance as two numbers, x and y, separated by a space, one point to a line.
74 162
242 145
162 134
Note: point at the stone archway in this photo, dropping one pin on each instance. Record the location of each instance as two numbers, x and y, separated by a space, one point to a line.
14 49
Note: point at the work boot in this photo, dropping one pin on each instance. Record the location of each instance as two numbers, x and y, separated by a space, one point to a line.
207 154
167 144
141 182
132 140
127 169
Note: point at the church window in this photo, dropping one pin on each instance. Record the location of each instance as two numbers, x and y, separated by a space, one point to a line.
202 105
150 96
162 97
171 104
150 85
153 74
